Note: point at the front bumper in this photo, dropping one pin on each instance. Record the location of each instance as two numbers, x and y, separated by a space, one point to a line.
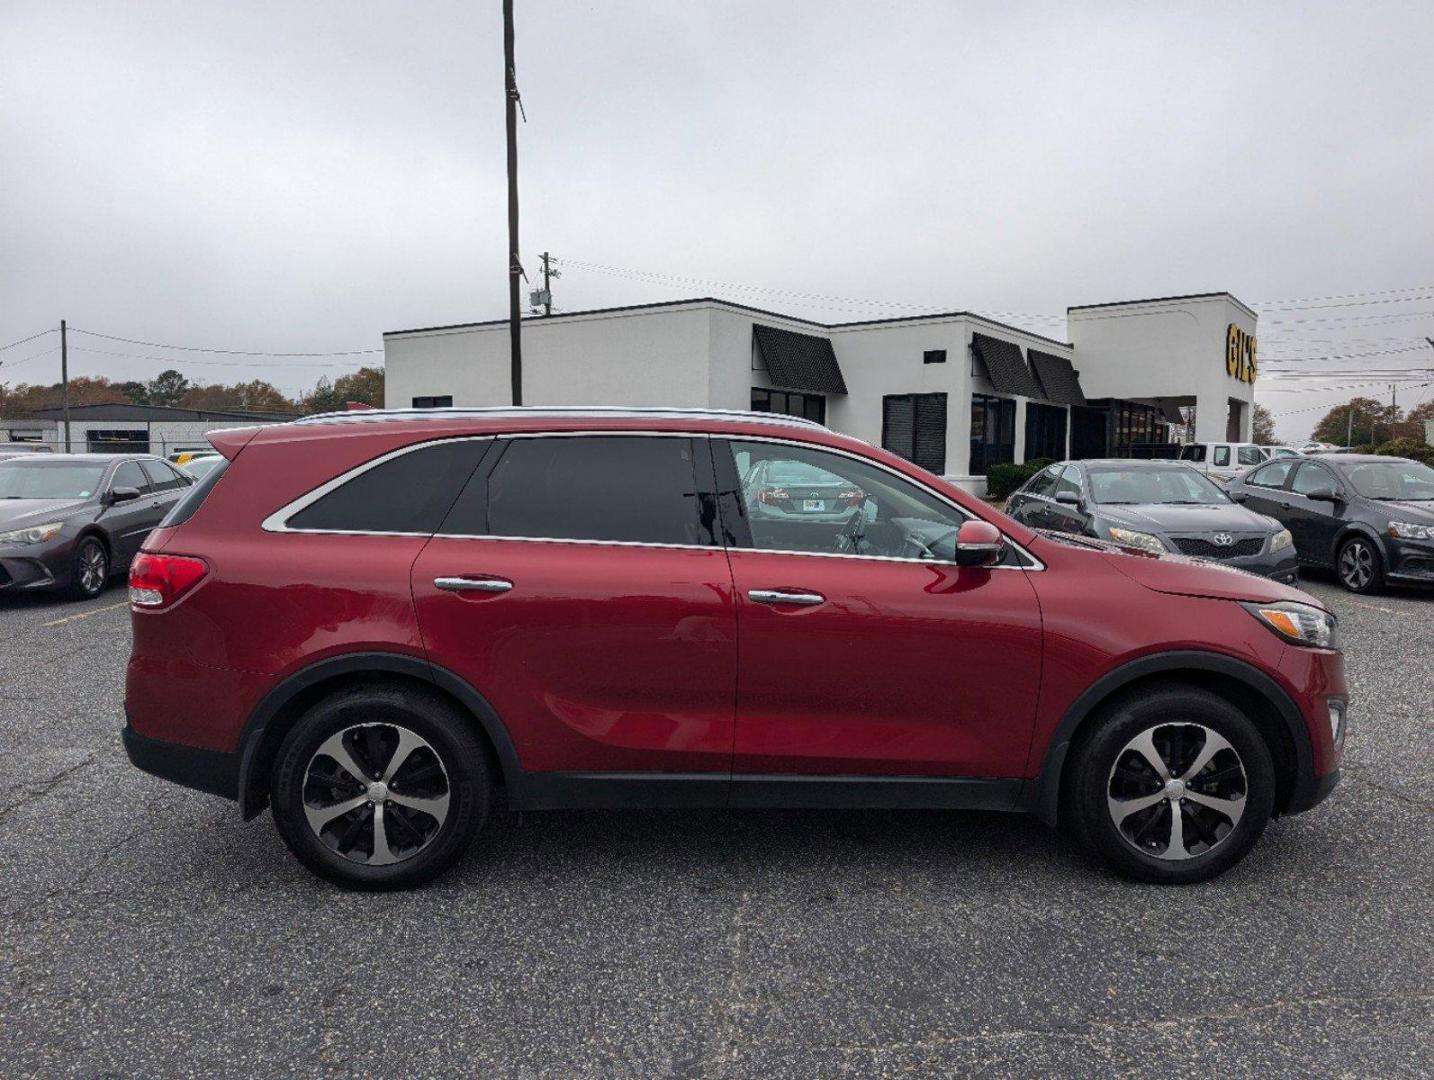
1282 566
211 771
1411 562
36 566
1310 794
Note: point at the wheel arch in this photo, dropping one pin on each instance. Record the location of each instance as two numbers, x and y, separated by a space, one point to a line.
1257 695
282 706
1365 531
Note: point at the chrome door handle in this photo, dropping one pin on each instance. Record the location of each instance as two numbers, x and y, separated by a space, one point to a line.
468 584
776 596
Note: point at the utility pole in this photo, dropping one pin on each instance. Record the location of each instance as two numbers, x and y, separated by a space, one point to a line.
65 381
1349 425
515 267
544 298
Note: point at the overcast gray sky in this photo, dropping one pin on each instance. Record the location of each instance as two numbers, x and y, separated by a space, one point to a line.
301 176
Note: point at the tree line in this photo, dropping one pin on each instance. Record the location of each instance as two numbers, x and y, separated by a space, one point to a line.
173 388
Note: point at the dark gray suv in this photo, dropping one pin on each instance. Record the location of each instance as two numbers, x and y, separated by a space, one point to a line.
1157 506
70 521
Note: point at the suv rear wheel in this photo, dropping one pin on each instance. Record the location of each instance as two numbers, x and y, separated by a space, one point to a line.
380 787
1172 786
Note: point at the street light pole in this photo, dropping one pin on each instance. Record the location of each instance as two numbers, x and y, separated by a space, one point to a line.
65 382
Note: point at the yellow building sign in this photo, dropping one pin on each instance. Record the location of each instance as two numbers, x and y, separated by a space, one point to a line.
1240 354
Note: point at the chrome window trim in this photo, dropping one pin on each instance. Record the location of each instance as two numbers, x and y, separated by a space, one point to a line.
277 521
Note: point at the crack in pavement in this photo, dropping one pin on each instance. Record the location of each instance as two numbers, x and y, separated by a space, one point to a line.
1355 775
49 785
1090 1029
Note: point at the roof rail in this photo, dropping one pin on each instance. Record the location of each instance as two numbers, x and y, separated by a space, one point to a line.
501 411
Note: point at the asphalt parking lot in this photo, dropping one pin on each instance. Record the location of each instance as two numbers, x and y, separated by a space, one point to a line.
145 931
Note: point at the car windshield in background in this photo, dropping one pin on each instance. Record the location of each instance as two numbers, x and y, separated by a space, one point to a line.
201 467
1392 480
1121 487
49 480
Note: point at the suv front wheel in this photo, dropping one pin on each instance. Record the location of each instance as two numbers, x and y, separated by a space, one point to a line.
1173 785
380 787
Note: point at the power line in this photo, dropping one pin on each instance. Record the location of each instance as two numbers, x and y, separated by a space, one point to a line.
1362 319
32 337
206 363
8 364
1269 304
223 352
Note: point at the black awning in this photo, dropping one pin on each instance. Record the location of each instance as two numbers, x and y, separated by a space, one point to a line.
1057 378
1172 413
1005 366
801 362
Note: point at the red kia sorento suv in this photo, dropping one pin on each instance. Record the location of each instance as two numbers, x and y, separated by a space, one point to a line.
382 624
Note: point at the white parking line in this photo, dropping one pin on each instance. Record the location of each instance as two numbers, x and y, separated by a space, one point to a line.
86 614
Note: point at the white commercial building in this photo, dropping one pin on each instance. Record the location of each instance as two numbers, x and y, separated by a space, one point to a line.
954 392
128 429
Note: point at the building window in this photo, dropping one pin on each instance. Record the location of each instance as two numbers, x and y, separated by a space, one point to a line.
993 432
914 427
117 442
1045 431
790 403
439 401
934 356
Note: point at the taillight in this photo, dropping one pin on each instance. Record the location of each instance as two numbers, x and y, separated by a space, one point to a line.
772 496
156 581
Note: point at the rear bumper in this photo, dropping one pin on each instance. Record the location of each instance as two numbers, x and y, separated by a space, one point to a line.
211 771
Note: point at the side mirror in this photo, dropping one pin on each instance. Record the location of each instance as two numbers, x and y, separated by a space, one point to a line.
978 543
1239 496
122 494
1324 493
1067 498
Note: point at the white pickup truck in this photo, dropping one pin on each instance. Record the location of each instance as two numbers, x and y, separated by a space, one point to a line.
1225 460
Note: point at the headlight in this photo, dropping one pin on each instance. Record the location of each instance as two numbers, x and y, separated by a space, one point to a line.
1407 531
1299 623
1281 540
35 534
1143 541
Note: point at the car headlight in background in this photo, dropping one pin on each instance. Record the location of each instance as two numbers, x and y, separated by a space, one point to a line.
35 534
1281 540
1302 624
1143 541
1405 530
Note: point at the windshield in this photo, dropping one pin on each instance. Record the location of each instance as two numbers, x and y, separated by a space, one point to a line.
1122 487
46 480
1402 480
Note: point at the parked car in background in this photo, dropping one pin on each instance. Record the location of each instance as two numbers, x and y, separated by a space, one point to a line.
1156 506
200 465
69 521
1367 517
1223 460
398 620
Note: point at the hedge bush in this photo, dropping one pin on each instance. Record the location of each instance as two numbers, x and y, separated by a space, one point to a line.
1006 477
1407 448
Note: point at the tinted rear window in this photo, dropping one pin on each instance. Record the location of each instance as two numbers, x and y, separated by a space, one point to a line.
409 493
192 499
640 489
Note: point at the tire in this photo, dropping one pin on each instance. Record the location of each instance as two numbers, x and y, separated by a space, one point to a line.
90 572
1359 567
1221 813
430 798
